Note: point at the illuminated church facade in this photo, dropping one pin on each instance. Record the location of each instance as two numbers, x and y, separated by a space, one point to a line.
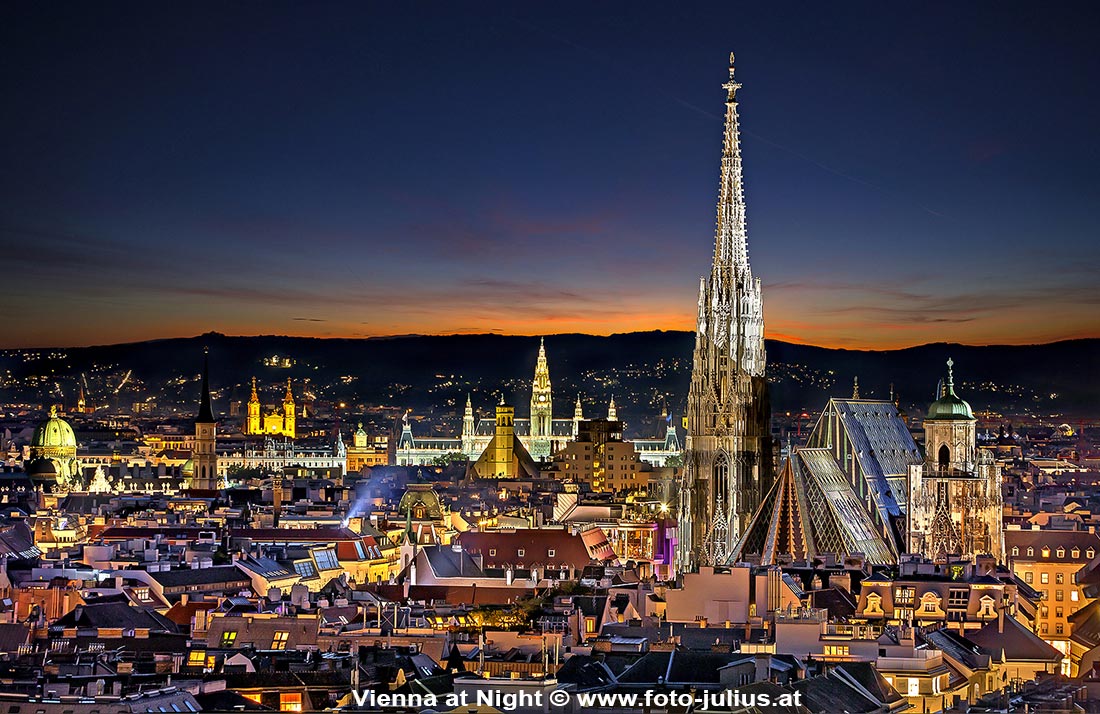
276 423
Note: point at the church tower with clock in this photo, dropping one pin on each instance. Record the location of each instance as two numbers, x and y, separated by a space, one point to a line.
541 407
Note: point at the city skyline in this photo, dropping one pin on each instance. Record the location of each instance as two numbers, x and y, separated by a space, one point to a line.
358 171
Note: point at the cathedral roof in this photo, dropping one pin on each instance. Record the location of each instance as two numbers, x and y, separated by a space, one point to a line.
420 493
53 433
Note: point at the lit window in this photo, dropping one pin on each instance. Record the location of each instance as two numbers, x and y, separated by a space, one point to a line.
1015 550
279 641
492 552
1061 552
228 638
550 552
1029 577
1073 595
1075 553
1044 578
589 625
290 702
197 658
1046 551
914 687
520 552
1059 578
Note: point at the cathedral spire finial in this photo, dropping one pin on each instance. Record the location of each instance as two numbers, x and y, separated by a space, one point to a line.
950 376
855 387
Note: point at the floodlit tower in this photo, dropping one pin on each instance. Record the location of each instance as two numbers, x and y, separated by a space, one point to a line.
728 456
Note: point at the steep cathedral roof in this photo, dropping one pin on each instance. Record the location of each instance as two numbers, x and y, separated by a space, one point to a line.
811 510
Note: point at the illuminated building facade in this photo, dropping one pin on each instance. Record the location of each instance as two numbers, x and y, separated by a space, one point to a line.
955 499
274 423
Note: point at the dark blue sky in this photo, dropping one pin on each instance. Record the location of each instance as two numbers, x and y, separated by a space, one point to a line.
913 174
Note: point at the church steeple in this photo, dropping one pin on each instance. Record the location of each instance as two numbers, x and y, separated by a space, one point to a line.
728 456
206 414
612 410
204 456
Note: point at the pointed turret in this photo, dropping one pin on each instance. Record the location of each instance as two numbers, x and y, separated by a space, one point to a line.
855 387
612 410
204 456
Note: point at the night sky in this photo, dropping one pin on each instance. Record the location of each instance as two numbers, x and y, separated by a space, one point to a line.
917 173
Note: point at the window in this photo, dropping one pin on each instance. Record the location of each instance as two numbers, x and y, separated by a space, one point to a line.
290 702
1044 578
492 552
874 604
1090 553
550 552
836 650
914 687
1059 595
197 658
904 596
305 569
1030 551
1029 577
1043 629
228 638
520 552
929 606
1059 578
589 625
278 642
1073 595
1059 612
1059 628
1015 550
1075 553
326 559
1046 551
1061 552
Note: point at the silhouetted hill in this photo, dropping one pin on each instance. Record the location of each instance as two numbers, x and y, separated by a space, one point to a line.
643 370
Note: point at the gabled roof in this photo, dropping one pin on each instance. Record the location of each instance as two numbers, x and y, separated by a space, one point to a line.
200 576
1015 643
536 544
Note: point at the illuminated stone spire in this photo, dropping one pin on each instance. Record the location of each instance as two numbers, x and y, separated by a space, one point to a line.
578 416
468 428
542 412
855 387
612 410
728 456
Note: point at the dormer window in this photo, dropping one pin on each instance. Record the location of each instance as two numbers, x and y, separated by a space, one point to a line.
1030 551
1090 553
550 552
1061 552
1046 551
520 552
1015 550
1075 553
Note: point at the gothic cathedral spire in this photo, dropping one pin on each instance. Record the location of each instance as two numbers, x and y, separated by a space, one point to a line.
728 456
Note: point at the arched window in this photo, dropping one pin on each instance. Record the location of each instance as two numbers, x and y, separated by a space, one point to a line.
944 456
721 477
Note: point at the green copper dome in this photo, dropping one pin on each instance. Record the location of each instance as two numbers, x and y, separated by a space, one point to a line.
54 434
950 405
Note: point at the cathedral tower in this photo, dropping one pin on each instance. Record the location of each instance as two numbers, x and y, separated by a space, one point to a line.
727 462
541 409
205 456
955 503
578 417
